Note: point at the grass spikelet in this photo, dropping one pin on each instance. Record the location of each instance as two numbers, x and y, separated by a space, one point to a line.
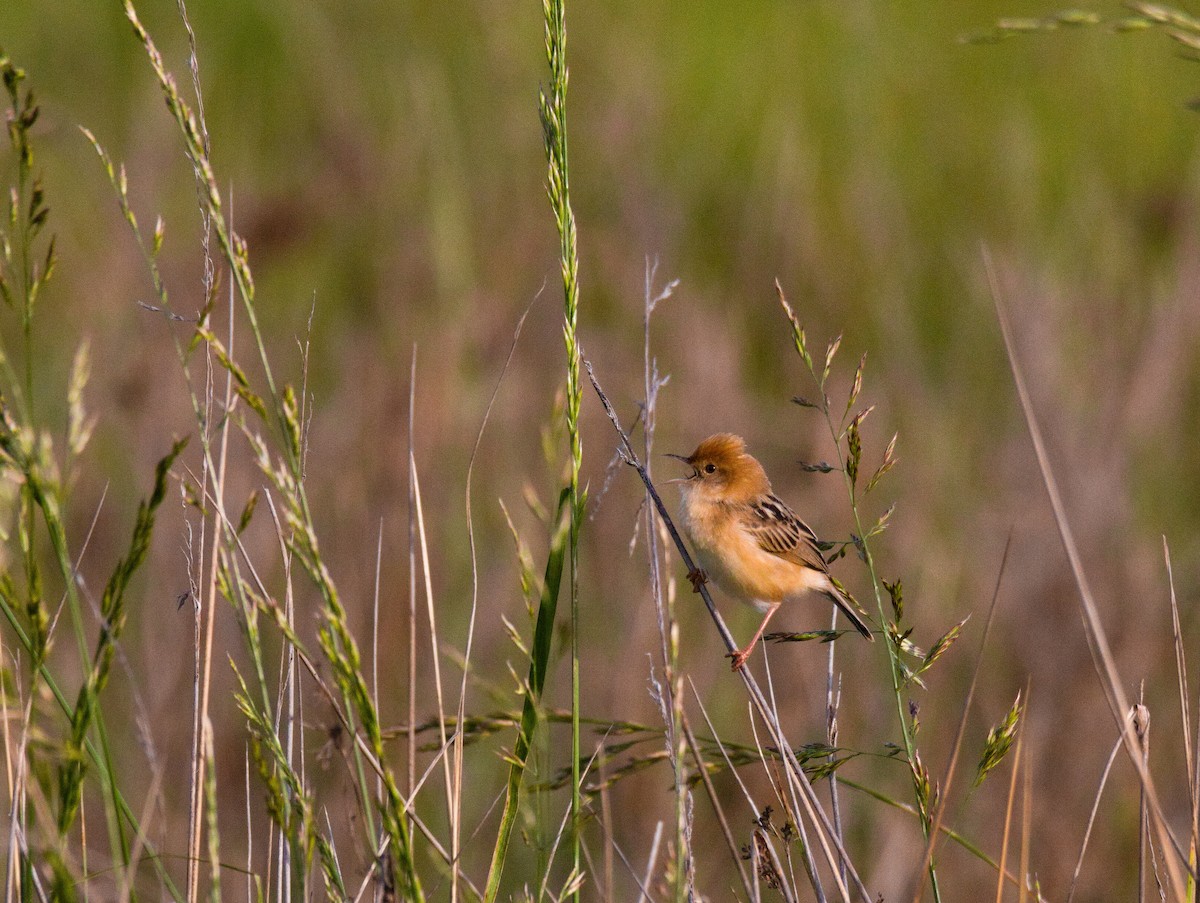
999 741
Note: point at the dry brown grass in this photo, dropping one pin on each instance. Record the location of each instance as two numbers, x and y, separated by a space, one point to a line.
859 156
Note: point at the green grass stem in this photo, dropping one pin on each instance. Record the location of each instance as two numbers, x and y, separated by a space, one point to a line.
553 108
539 657
845 433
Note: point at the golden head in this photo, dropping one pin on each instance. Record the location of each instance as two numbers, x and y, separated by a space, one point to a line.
723 469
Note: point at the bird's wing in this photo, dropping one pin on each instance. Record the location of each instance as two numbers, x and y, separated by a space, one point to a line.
776 529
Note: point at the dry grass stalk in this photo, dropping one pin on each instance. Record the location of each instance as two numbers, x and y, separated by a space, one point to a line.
1102 656
948 779
828 841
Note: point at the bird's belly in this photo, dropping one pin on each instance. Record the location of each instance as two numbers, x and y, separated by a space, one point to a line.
756 576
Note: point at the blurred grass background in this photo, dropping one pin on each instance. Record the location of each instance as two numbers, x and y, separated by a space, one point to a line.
385 167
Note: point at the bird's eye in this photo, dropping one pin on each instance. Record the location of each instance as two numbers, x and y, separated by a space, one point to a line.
710 468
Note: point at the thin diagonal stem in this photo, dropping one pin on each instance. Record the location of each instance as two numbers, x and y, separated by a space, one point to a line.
831 845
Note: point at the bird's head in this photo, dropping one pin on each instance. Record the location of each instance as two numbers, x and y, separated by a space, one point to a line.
722 470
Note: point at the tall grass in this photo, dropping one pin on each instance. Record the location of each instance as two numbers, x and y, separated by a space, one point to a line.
28 457
553 110
796 820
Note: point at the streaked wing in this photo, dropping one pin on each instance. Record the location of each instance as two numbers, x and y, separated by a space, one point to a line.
777 530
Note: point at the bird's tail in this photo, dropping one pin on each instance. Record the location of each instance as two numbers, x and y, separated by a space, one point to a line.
842 600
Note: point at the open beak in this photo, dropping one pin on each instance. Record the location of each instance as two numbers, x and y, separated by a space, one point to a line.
686 461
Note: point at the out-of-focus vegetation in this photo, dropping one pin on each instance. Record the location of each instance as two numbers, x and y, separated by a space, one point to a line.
384 163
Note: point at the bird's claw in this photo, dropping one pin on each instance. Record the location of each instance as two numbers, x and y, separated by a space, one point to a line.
739 658
697 578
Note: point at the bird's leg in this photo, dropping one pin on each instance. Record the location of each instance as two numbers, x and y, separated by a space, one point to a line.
739 657
697 578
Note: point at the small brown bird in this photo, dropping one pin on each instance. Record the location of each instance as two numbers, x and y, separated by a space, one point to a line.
748 540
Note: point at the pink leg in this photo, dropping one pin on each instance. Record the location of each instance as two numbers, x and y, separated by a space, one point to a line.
739 657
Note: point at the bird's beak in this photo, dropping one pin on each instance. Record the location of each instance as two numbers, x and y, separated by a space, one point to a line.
686 461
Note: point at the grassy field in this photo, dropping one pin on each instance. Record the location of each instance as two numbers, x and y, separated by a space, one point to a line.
228 667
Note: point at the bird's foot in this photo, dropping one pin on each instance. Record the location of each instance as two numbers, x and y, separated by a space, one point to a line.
739 658
697 578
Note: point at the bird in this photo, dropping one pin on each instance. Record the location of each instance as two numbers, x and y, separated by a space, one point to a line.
747 540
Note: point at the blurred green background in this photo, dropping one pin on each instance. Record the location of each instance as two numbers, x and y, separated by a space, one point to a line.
385 166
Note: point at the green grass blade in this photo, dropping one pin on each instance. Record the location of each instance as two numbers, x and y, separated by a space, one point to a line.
539 658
